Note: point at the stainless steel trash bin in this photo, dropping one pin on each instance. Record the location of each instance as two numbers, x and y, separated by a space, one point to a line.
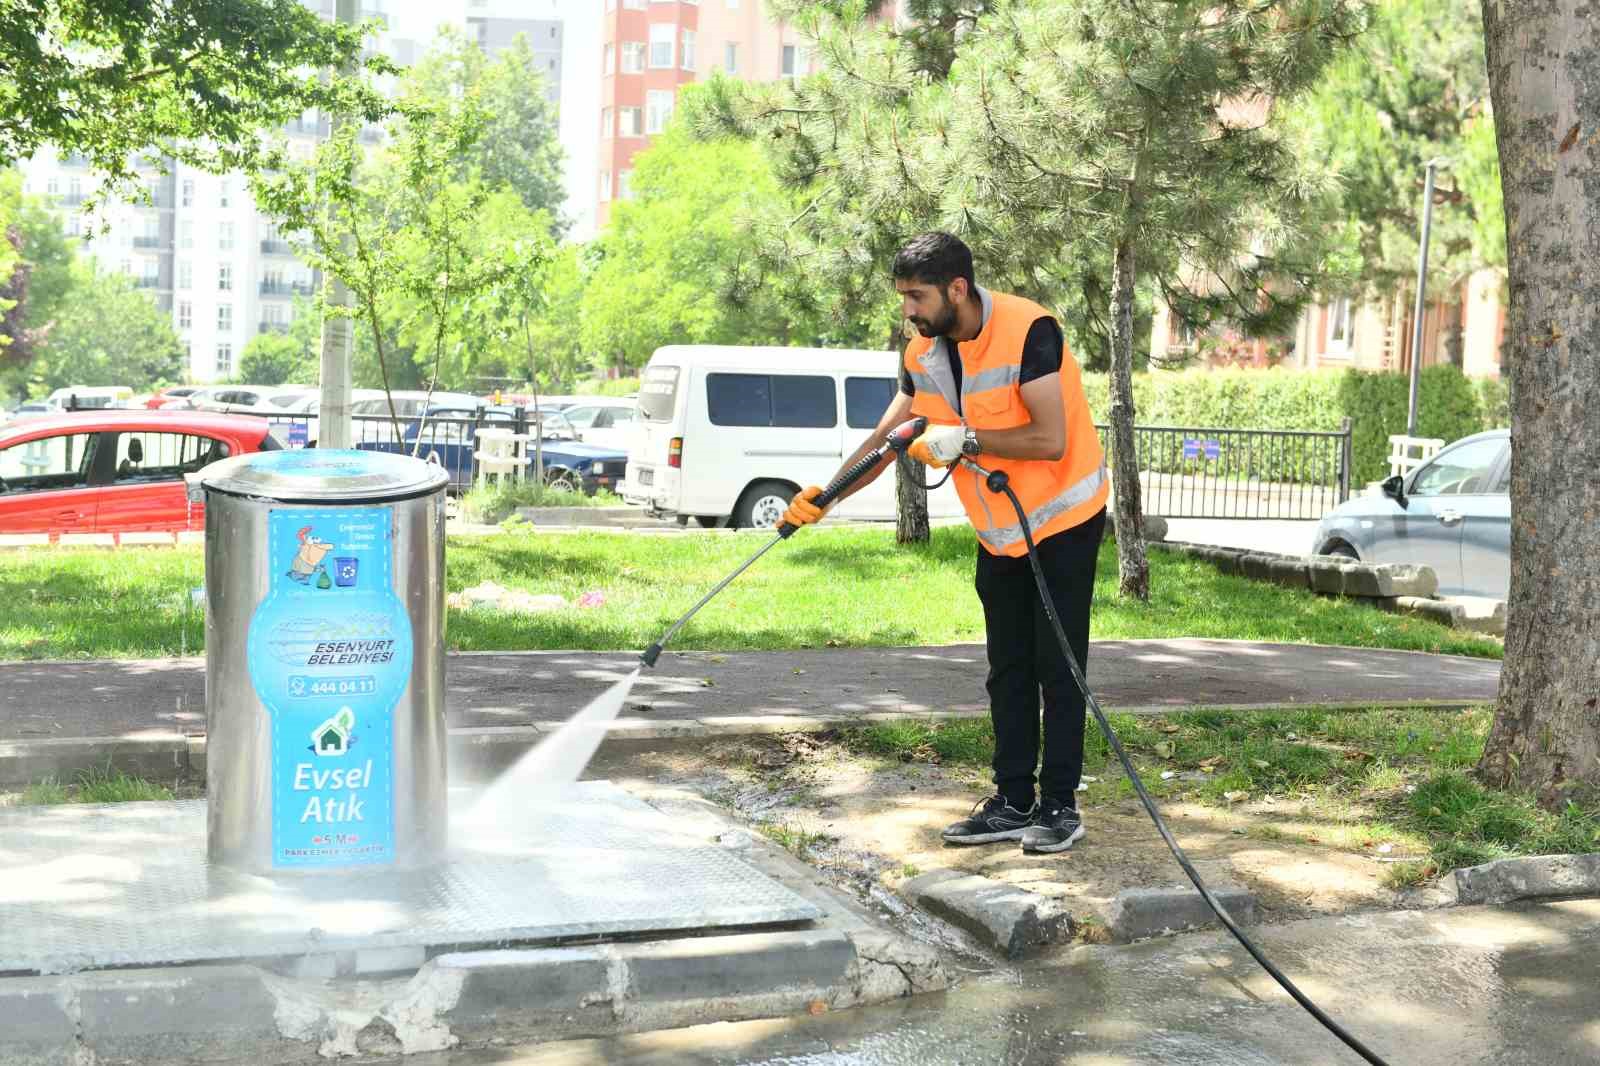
325 735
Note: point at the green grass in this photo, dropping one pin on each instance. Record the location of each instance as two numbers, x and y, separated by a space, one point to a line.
793 839
1374 777
93 786
845 587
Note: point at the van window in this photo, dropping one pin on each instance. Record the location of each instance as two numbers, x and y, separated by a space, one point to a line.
792 401
658 392
865 400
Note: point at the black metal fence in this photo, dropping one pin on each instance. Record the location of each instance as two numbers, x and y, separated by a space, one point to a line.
452 442
1206 472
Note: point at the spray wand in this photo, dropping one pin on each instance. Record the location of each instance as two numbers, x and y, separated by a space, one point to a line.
895 442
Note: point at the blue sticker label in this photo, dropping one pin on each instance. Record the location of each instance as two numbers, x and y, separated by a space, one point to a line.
330 656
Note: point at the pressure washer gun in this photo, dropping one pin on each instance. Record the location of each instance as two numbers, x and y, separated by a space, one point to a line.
895 442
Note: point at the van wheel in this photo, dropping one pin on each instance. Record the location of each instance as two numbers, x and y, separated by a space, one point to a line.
1341 549
763 504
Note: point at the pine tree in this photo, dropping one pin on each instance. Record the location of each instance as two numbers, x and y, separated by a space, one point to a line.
1079 146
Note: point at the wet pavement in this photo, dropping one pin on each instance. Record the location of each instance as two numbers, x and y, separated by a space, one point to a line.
110 698
1513 986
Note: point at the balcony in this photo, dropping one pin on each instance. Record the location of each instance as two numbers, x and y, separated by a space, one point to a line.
286 288
276 248
147 282
147 242
272 327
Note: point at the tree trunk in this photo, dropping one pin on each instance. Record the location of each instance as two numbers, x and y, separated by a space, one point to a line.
1544 61
911 499
1132 566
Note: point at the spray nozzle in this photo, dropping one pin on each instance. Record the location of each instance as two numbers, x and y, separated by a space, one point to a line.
651 654
900 437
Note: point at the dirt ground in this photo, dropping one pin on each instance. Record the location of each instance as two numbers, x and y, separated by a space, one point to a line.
870 823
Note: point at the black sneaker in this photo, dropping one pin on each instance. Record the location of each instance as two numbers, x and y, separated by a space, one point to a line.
991 820
1056 827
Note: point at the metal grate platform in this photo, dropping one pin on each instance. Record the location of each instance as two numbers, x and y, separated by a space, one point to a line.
117 885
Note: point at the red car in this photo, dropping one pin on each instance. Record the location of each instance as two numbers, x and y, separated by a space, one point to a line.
114 471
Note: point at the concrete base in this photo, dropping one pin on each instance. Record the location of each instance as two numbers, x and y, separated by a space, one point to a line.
91 887
386 999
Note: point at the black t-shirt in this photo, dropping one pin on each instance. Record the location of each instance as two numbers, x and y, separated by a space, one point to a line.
1041 355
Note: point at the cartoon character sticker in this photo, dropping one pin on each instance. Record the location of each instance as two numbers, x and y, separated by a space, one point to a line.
308 560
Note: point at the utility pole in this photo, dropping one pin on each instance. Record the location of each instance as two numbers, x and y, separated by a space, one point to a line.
334 415
1422 288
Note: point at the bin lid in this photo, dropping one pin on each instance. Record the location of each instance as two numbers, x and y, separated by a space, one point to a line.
315 475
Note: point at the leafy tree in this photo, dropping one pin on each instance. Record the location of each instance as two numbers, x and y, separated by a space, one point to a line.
195 79
520 147
1078 145
1544 61
107 333
1415 89
672 261
555 355
290 357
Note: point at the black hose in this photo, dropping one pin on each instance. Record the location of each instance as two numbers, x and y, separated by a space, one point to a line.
997 482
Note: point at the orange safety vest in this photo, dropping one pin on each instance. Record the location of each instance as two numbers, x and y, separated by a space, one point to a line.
1056 495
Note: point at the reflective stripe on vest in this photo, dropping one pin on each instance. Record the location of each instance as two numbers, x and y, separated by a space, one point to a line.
1002 537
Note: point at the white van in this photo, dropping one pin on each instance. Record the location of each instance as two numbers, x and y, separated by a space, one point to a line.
730 433
89 397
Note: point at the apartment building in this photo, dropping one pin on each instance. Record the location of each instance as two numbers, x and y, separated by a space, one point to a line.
650 48
494 24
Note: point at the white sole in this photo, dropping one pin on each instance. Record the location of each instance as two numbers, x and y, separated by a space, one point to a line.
986 838
1047 849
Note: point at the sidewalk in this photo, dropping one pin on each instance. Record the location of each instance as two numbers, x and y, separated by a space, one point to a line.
132 698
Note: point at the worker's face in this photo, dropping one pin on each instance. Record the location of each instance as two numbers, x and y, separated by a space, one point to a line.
928 307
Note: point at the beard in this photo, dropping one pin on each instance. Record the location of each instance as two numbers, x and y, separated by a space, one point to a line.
938 325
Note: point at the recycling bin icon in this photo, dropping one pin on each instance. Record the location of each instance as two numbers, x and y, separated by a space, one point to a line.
344 571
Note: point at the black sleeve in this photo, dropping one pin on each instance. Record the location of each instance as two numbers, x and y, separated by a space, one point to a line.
905 380
1041 352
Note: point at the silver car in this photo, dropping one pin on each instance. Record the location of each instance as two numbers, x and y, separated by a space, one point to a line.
1453 513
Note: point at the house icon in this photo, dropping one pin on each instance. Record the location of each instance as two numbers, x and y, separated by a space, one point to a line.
333 736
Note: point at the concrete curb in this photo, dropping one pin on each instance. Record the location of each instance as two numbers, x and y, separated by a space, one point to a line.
243 1013
476 751
1009 919
1526 877
1400 588
1139 913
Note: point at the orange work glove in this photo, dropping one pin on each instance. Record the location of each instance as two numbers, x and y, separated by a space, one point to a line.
938 446
802 512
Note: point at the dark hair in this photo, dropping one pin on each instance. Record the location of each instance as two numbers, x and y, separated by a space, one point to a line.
935 258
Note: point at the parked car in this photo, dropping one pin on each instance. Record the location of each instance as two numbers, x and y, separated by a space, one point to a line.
610 421
89 397
732 433
161 397
299 424
1452 513
114 471
32 409
249 399
449 439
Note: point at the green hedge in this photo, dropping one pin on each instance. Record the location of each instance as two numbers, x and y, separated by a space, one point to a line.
1450 405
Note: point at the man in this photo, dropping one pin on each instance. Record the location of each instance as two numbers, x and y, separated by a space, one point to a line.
993 376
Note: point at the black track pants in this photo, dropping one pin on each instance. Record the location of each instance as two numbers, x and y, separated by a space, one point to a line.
1024 657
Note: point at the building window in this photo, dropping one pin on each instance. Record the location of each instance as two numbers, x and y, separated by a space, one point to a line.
186 234
661 40
796 58
1341 324
52 187
272 315
633 57
658 110
636 5
730 57
606 128
225 277
224 359
75 191
632 122
625 186
185 314
225 236
187 199
610 65
688 49
225 193
74 225
185 274
605 185
127 266
224 318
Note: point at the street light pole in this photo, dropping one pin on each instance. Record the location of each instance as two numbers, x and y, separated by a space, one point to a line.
1422 299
